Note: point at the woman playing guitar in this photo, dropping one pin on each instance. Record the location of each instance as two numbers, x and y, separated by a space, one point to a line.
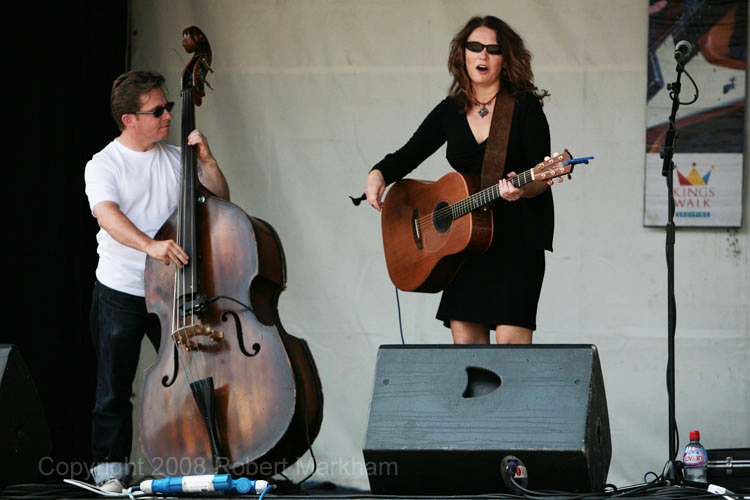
499 289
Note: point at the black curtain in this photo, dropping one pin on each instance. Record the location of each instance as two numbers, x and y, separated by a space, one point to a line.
61 60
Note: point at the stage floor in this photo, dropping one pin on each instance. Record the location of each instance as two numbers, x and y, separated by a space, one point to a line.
63 491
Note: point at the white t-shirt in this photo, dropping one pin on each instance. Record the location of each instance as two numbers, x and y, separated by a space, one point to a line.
145 185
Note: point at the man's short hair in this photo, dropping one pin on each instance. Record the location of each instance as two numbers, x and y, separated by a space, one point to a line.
127 90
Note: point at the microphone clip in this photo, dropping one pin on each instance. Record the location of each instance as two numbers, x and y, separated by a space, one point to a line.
683 50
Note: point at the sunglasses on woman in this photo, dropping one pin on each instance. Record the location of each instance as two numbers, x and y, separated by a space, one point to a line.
493 48
157 111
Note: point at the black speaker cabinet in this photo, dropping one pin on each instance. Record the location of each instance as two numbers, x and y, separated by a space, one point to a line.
447 419
730 468
24 435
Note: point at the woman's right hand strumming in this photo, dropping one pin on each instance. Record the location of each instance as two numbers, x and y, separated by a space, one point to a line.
375 188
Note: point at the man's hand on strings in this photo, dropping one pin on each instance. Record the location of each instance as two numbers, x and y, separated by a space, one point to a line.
167 251
196 138
113 220
211 175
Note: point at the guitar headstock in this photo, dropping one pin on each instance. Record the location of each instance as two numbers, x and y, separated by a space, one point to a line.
557 166
194 74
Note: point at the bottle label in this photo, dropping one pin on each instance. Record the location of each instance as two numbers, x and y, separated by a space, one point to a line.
694 458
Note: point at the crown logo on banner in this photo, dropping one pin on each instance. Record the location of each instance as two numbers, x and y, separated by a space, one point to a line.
694 178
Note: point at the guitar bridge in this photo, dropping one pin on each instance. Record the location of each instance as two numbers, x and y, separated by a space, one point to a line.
416 229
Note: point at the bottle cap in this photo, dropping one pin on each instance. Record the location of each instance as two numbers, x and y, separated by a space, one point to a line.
695 435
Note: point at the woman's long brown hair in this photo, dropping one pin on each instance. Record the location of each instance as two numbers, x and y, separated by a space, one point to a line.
516 75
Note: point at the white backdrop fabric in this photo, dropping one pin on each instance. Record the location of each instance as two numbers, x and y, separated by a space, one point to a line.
309 94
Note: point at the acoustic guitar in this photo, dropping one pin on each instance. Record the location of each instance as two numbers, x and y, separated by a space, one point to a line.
429 228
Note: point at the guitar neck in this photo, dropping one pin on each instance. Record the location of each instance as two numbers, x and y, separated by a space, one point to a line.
486 196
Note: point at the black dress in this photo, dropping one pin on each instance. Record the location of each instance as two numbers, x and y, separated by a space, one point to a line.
501 286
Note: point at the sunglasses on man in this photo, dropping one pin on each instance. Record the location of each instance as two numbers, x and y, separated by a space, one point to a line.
493 49
157 111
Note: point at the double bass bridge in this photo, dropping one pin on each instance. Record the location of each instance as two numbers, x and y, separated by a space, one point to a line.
187 336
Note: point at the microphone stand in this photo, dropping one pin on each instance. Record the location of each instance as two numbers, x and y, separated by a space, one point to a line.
673 469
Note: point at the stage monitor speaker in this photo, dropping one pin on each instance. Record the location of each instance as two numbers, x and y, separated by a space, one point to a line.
24 435
452 420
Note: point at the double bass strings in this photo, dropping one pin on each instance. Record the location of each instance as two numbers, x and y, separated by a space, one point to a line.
178 320
194 364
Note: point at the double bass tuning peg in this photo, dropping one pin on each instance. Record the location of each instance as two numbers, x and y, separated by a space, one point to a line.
205 66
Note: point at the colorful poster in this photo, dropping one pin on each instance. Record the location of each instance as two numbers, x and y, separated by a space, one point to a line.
708 156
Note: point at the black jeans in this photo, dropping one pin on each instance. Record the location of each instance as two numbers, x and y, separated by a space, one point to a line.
118 322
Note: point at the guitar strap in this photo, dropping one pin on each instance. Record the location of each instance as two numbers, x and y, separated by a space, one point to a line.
493 165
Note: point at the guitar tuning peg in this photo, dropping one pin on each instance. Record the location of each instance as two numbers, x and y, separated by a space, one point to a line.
550 182
559 180
570 176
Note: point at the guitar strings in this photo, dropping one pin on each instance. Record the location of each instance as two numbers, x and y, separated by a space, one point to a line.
474 201
481 198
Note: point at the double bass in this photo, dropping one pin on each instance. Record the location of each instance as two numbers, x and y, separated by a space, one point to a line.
230 390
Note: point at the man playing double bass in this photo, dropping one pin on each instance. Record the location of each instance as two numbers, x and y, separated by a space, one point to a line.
133 186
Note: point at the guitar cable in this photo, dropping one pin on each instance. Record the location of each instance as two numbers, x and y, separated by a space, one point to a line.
356 201
400 327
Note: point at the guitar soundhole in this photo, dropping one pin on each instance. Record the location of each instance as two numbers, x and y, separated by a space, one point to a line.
441 217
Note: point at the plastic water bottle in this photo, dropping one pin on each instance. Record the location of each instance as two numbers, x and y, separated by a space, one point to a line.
695 459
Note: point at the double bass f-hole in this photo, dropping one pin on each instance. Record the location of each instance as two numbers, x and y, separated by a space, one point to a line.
240 341
183 338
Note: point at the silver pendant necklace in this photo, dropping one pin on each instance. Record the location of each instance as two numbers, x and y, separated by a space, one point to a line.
483 111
